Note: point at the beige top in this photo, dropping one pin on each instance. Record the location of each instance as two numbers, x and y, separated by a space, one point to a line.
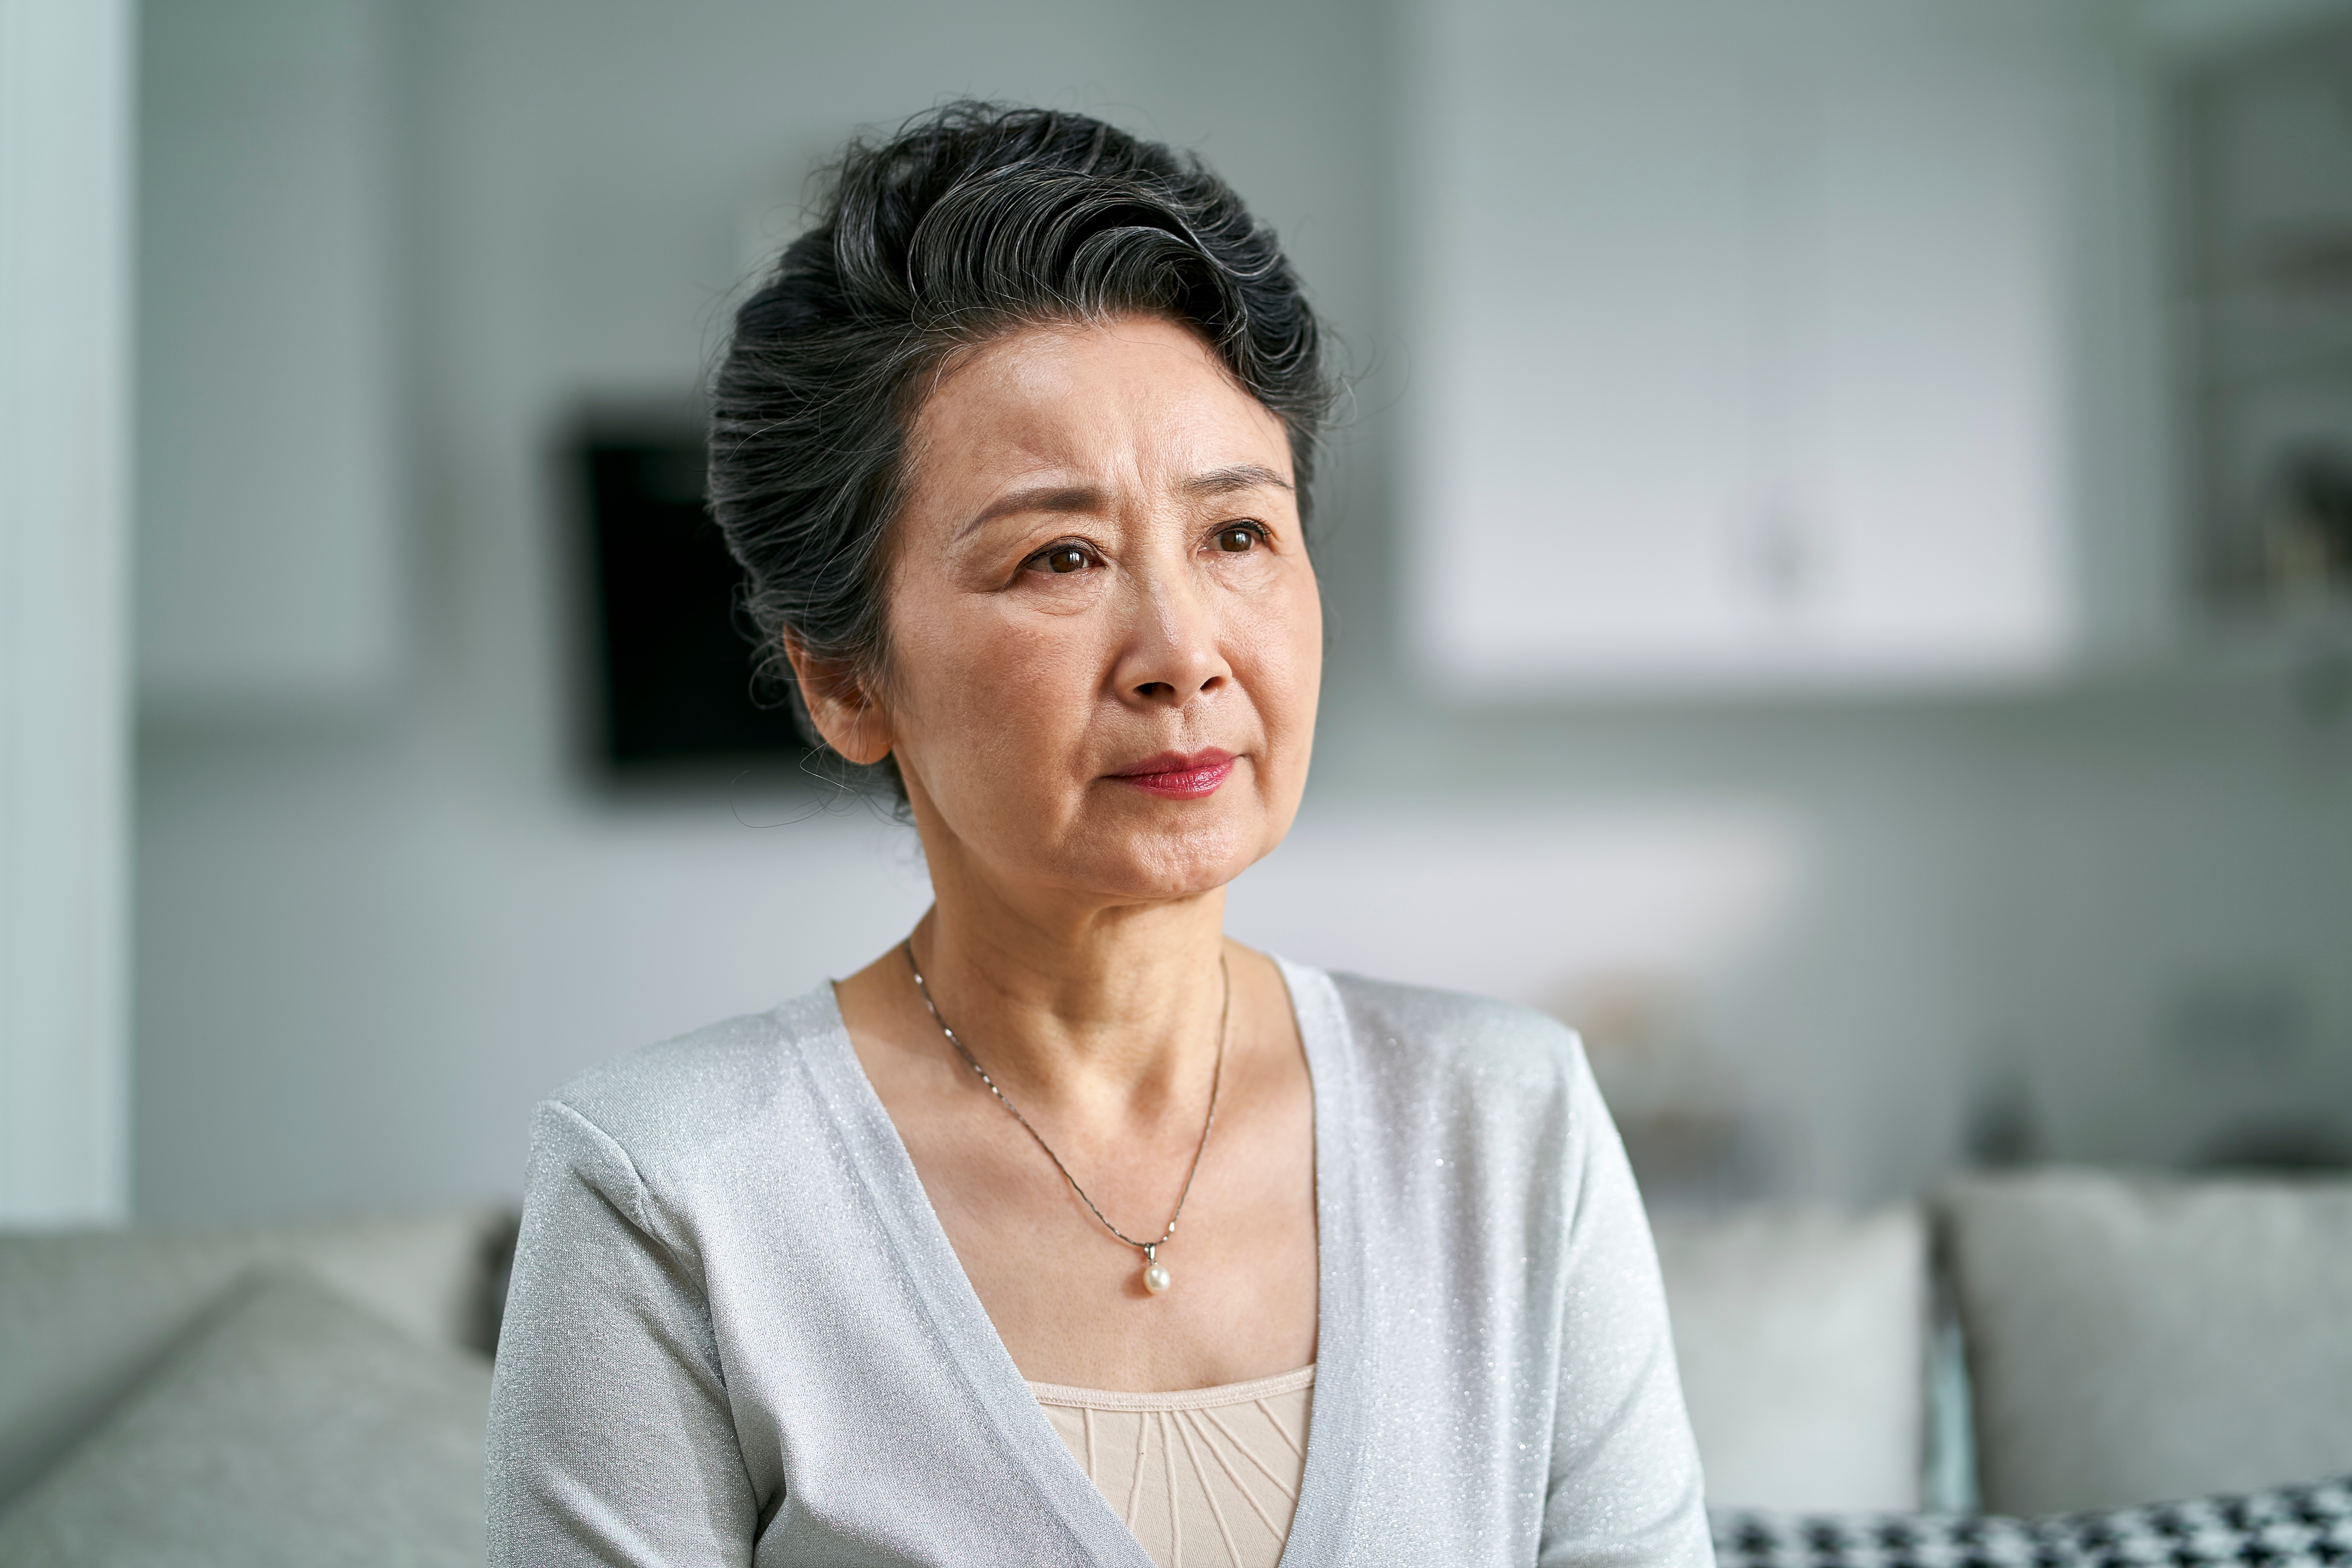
1205 1478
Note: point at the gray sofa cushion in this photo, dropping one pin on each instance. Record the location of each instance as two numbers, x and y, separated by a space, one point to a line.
1802 1339
83 1316
292 1427
2132 1340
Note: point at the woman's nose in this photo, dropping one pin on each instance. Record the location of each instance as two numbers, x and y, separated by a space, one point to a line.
1172 653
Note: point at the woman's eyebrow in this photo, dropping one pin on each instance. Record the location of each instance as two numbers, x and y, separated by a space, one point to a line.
1240 476
1037 498
1087 497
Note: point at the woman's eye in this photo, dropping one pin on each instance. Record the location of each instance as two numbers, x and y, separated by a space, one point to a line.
1238 538
1064 558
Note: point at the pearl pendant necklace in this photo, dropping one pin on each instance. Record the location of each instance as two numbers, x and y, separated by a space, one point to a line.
1156 1277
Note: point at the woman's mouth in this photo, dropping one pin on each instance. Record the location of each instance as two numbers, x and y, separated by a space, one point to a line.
1178 775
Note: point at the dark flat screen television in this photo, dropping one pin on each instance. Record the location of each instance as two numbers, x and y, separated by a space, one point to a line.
673 682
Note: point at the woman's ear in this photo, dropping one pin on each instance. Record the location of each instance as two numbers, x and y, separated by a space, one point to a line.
844 712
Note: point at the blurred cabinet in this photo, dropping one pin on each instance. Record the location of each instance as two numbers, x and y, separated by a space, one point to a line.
269 552
1802 343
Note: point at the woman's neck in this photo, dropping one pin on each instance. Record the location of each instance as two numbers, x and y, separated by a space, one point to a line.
1098 1009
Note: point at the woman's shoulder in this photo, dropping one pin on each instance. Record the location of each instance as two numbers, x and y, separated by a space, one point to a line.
1420 1031
695 1091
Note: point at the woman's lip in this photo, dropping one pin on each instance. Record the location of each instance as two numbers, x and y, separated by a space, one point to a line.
1175 774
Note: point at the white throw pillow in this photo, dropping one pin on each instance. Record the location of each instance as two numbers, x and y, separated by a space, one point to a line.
291 1427
2133 1340
1802 1340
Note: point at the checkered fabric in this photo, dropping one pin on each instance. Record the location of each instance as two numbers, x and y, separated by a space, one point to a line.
2290 1527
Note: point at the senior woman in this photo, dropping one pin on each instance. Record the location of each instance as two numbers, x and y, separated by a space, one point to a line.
1069 1231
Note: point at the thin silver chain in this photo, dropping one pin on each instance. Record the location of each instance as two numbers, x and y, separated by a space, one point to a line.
1216 1080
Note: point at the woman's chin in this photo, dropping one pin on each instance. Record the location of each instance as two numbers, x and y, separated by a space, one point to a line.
1167 868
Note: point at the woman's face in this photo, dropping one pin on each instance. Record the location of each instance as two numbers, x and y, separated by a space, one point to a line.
1105 639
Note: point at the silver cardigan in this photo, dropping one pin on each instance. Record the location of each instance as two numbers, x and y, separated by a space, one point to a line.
737 1334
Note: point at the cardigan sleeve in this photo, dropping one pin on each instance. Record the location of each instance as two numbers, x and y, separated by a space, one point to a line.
1625 1489
611 1438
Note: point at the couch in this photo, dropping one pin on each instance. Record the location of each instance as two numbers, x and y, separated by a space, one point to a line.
2057 1341
309 1394
2039 1344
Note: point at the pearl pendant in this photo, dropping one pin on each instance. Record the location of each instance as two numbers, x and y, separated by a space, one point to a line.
1156 1277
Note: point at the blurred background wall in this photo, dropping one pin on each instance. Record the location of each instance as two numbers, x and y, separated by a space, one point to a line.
66 198
1828 937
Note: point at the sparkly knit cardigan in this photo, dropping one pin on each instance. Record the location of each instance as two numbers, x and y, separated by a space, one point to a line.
738 1334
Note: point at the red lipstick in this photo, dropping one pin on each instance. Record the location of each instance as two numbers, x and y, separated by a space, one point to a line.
1178 776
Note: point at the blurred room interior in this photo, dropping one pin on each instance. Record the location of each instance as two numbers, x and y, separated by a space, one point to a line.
1848 600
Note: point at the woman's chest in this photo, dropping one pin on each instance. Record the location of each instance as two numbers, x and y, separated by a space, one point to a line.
1068 1293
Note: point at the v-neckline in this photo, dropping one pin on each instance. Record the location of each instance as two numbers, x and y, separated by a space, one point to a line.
1334 1424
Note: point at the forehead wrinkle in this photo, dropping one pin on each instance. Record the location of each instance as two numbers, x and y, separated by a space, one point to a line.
984 423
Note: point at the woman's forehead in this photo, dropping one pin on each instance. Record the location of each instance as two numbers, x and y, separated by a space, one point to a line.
1132 398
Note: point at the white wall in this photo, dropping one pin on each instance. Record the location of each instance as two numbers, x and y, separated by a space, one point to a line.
367 945
65 277
269 555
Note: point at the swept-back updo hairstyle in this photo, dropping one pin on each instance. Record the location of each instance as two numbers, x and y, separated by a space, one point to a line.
972 221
